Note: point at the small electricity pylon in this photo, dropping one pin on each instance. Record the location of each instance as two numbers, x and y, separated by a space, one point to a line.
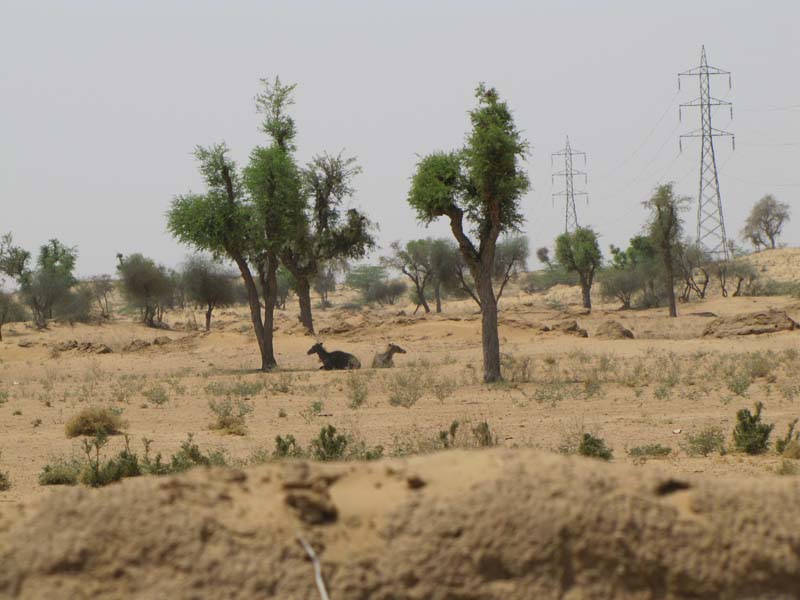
710 224
569 193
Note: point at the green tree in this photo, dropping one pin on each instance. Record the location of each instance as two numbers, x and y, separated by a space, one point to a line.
49 283
11 311
481 184
208 285
414 261
579 252
445 259
250 216
327 235
765 222
665 228
145 286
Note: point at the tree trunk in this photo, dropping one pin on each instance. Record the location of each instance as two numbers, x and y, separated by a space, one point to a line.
586 292
437 294
673 308
421 298
255 310
303 289
208 317
269 282
1 331
490 338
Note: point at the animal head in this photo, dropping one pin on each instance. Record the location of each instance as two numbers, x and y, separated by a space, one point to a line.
315 348
397 349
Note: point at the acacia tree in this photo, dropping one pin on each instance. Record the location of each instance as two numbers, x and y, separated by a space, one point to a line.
445 259
326 235
248 217
481 184
414 261
665 228
765 222
47 284
208 285
146 286
11 311
579 252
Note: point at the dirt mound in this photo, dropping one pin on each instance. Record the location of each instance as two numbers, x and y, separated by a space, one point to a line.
469 525
754 323
613 331
569 326
87 347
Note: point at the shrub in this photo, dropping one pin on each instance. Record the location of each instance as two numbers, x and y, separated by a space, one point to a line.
405 388
230 415
704 443
146 286
190 456
329 445
483 435
594 447
96 420
541 281
287 447
789 445
650 450
5 481
751 435
156 394
357 390
61 471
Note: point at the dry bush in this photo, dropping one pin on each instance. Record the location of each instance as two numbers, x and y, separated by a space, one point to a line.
230 415
96 420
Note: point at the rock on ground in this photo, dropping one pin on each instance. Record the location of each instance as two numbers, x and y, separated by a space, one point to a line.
613 331
755 323
479 525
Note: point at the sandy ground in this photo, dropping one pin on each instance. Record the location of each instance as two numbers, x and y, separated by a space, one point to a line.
665 384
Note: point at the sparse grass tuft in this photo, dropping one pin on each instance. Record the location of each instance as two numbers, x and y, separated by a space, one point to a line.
357 389
788 442
96 420
230 415
329 445
156 394
5 480
405 388
788 467
704 443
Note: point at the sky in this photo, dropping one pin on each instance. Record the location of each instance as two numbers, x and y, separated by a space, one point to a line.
103 102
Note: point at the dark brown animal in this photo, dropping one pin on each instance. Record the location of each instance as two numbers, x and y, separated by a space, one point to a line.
336 360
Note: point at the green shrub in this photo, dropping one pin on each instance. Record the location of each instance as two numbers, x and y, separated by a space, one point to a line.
704 443
61 471
329 445
483 435
287 447
95 420
751 435
594 447
190 456
5 481
789 445
650 450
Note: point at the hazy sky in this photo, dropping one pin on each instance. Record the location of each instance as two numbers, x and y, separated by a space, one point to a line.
103 102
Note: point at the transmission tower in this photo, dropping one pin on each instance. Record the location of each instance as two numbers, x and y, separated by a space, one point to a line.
569 193
710 224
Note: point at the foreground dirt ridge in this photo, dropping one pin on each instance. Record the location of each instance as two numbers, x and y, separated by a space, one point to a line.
460 524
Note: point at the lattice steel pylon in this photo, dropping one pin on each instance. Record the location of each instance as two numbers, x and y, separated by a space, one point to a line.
569 193
710 223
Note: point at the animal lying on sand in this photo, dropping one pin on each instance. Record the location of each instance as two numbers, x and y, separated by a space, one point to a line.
383 360
336 360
